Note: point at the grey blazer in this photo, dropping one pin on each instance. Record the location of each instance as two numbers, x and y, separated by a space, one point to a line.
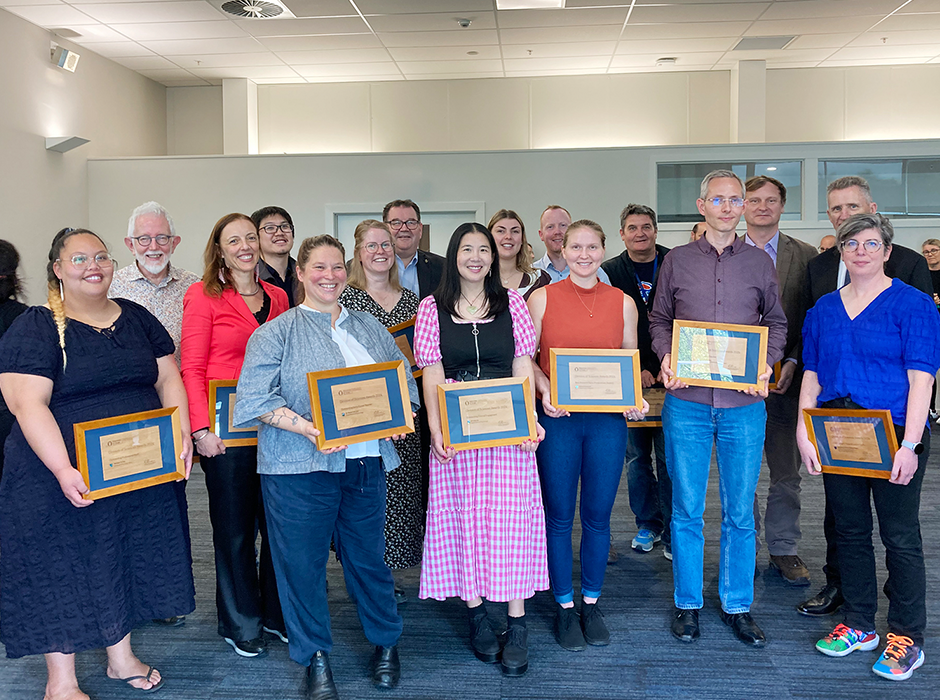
277 359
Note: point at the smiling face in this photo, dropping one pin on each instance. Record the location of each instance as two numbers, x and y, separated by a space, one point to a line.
508 236
91 279
381 257
862 263
406 238
639 236
552 227
239 245
153 257
844 203
474 257
323 277
763 207
583 252
279 242
724 217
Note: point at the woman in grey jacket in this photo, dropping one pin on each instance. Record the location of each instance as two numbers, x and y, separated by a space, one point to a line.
311 495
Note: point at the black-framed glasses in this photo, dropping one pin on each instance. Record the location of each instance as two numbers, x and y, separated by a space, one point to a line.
81 262
410 224
869 246
144 241
271 229
720 201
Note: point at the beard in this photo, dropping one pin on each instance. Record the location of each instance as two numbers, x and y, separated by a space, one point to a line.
150 266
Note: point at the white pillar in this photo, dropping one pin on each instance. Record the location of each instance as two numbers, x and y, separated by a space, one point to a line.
749 102
239 116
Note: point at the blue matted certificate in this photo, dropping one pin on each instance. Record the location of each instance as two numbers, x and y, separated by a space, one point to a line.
718 355
129 452
486 413
357 404
222 413
851 441
404 335
591 380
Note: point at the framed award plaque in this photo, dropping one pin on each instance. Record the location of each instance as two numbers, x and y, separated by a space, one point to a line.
487 413
852 441
595 381
222 412
719 355
404 335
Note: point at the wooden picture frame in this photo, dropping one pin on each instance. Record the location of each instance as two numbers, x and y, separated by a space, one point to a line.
614 374
378 407
695 355
129 452
655 397
404 335
869 445
774 376
459 399
221 410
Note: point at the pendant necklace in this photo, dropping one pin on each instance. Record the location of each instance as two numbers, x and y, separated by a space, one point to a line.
471 305
593 303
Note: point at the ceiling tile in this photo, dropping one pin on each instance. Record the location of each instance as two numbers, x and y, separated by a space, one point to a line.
161 75
353 78
203 46
308 58
94 33
338 70
458 38
571 63
52 15
804 55
444 53
547 35
683 60
711 12
15 3
228 60
145 63
575 48
138 12
279 81
514 19
901 23
686 30
195 82
825 25
431 22
117 49
666 47
876 53
450 67
245 72
317 43
807 9
821 41
863 62
300 27
413 6
595 3
320 8
539 73
175 31
454 76
100 2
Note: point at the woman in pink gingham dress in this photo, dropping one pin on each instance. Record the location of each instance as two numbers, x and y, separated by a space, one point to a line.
485 524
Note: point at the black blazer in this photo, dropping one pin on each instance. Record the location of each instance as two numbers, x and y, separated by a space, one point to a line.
822 273
623 276
430 270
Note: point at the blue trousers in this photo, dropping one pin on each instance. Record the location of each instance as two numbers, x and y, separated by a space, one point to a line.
303 511
691 429
589 447
650 491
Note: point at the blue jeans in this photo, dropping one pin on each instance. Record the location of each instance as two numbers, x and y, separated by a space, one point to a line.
650 497
691 429
303 512
589 447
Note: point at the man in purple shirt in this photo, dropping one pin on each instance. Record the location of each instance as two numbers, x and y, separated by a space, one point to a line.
718 279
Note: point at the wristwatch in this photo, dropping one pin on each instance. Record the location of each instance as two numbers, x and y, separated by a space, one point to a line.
915 447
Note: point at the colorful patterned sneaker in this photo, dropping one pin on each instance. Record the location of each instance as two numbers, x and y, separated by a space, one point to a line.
899 659
843 640
645 540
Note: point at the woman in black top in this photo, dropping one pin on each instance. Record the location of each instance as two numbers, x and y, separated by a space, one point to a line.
11 288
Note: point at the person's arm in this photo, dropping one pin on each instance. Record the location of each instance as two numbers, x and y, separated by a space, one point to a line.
918 406
286 419
432 377
809 393
27 396
194 352
542 384
172 393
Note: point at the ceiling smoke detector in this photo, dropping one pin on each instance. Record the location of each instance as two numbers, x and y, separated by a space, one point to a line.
252 9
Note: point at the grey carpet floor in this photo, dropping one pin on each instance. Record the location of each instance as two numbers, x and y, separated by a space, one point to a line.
642 661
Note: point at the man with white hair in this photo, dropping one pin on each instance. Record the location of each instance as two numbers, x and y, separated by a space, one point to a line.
152 281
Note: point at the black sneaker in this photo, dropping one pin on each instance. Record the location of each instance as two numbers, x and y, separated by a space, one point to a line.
592 623
568 629
483 639
248 647
515 656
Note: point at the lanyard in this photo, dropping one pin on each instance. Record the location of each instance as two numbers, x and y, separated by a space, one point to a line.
645 293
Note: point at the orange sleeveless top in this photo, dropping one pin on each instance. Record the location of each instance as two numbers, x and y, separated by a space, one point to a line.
580 318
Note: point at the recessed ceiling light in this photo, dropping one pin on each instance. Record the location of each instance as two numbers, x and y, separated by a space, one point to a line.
771 168
763 43
528 4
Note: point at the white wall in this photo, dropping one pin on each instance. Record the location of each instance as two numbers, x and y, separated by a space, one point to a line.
194 121
591 183
122 113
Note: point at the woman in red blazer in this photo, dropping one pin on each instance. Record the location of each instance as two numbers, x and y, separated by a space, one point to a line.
219 315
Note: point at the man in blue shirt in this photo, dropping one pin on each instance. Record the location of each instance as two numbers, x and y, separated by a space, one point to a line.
553 223
418 270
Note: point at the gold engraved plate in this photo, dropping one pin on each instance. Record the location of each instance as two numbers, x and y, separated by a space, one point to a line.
402 342
362 403
481 414
130 453
853 442
595 381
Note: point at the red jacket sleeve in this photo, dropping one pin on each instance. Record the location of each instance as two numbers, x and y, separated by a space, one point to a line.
199 313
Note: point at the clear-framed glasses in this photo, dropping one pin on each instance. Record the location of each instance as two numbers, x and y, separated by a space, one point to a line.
271 229
411 224
720 201
81 262
931 251
373 247
144 241
869 246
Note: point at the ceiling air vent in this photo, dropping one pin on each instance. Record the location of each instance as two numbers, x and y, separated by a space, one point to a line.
252 8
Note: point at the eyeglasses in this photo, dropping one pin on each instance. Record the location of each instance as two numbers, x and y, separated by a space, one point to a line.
931 251
271 229
372 247
81 262
720 201
144 241
870 246
411 224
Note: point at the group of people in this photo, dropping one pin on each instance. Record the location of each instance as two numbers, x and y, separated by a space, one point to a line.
486 524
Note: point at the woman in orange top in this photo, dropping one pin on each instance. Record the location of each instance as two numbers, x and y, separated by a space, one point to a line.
580 312
219 315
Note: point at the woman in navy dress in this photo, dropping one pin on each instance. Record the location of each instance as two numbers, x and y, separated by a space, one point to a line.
77 574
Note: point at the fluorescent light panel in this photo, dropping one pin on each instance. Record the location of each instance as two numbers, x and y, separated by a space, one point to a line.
529 4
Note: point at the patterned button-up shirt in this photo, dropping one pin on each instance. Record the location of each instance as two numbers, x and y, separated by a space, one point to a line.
164 300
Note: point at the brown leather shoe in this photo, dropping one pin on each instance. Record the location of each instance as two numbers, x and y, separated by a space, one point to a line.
791 568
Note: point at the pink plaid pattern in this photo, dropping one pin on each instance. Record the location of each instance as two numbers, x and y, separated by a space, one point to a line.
427 341
485 527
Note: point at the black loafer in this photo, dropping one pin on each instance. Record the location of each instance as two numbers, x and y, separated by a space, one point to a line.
744 628
685 625
318 684
826 602
385 667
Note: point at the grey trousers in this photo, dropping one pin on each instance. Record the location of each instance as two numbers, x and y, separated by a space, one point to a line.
782 516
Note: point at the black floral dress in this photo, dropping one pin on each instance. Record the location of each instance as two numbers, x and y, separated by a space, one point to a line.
404 512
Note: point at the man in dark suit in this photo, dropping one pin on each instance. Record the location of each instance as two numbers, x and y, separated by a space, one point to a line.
826 273
634 273
764 202
418 270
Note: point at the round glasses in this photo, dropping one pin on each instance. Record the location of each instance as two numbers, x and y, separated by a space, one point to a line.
869 246
144 241
81 262
373 247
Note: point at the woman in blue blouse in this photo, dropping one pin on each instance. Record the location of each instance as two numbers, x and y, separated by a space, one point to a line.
875 344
